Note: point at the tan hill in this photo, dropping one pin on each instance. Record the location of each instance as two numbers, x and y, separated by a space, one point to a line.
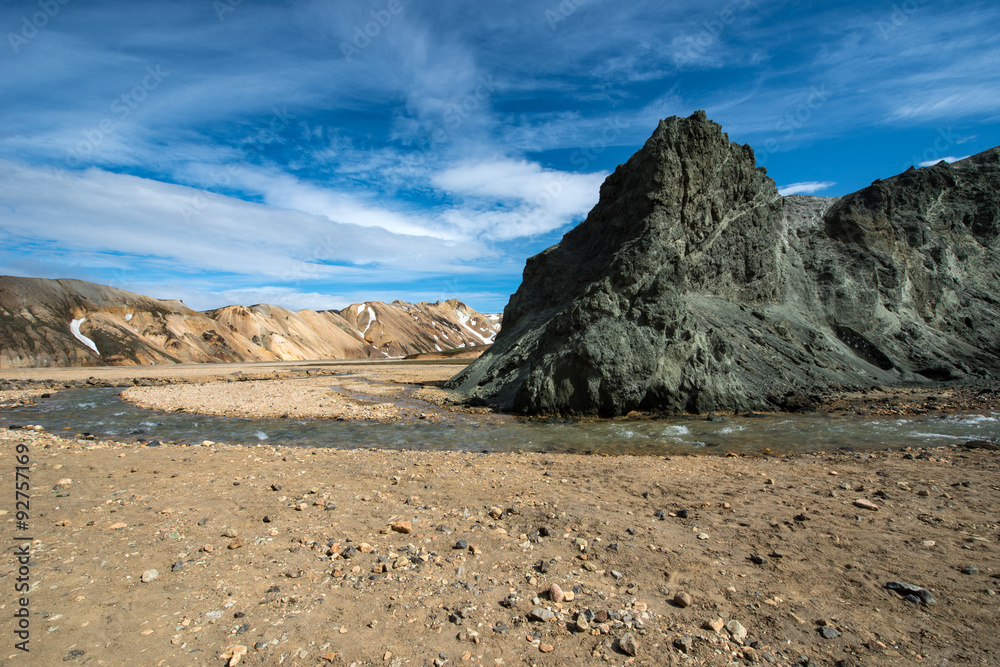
76 323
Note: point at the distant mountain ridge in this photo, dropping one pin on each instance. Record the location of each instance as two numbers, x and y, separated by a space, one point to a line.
76 323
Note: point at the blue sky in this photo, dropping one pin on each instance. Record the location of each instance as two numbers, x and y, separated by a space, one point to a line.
315 154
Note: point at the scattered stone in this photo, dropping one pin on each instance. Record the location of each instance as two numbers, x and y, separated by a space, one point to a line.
541 615
628 645
682 599
229 532
757 559
866 504
236 543
234 654
461 544
829 632
546 648
582 625
402 527
683 644
148 576
715 626
910 590
555 593
970 569
736 630
176 567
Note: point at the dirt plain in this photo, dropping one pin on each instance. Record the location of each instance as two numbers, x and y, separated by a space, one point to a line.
310 556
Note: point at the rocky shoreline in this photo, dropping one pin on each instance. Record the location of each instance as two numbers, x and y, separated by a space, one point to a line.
219 554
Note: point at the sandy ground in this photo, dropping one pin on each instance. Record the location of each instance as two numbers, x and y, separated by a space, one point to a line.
327 397
318 557
300 556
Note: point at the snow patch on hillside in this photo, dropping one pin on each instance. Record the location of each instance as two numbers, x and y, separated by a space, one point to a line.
74 326
464 318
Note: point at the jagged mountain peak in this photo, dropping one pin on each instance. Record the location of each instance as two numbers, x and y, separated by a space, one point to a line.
693 285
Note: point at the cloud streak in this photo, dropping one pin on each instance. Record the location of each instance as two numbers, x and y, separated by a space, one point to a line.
261 158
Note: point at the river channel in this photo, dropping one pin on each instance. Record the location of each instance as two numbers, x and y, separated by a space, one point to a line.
101 412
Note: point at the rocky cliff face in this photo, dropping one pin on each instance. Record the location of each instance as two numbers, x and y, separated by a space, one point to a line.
75 323
694 286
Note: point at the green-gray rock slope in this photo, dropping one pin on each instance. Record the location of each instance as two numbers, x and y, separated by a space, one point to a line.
694 286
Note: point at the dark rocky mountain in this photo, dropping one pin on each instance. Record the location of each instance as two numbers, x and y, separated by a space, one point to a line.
76 323
694 286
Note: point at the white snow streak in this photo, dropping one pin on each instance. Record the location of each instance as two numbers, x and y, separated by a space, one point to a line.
463 319
74 326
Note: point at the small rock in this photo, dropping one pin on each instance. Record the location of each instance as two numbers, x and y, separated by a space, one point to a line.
148 576
582 625
910 590
541 615
176 567
555 593
715 626
229 532
682 599
546 648
970 569
461 544
683 644
236 543
829 632
402 527
736 630
757 559
866 504
628 645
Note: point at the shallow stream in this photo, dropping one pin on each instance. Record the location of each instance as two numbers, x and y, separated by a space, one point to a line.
102 412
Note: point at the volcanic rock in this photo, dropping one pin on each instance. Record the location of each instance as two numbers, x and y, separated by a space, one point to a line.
693 286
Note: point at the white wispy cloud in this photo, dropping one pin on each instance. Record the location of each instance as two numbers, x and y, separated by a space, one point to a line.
805 188
456 139
96 211
949 160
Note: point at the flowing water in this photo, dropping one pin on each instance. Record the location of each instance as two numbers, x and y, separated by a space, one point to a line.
101 412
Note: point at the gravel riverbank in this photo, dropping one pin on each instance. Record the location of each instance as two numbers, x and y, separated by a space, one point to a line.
202 555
